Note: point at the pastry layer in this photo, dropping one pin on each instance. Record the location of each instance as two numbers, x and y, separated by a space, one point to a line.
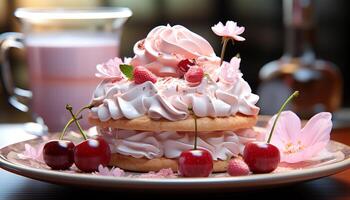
146 165
203 124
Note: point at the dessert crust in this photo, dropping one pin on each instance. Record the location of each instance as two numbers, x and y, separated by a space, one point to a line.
146 165
145 123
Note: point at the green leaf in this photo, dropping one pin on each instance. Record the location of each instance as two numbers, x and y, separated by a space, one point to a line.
127 70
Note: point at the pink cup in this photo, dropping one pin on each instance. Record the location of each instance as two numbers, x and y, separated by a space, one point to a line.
63 47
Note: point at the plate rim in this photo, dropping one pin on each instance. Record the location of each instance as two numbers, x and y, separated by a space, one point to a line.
169 183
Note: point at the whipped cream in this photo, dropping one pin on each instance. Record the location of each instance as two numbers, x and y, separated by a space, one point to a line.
170 98
165 46
222 92
222 145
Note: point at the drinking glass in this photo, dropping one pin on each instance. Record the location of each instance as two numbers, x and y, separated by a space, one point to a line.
62 48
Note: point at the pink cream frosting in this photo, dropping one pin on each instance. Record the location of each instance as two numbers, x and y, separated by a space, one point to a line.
171 96
165 46
222 145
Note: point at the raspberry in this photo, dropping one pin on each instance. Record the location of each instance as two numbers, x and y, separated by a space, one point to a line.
142 74
237 167
184 65
194 75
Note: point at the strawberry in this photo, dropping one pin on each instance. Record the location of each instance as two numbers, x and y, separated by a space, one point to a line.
237 167
194 75
142 74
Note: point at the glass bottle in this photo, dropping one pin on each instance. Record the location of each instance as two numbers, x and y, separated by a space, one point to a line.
319 81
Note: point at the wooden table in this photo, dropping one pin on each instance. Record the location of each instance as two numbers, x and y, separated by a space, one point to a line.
335 187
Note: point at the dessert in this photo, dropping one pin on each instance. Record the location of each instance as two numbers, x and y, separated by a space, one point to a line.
177 107
146 106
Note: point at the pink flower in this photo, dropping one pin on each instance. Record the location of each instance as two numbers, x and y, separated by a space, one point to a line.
33 153
230 30
299 144
110 69
163 173
229 72
105 171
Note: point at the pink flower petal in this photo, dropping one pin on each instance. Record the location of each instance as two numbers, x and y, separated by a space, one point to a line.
294 157
229 72
230 30
218 29
296 144
110 69
33 153
287 127
105 171
317 129
240 30
163 173
238 38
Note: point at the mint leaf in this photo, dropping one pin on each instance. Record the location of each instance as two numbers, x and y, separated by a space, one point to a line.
127 70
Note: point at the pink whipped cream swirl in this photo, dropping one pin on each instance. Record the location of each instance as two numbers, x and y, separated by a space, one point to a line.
165 46
222 145
170 98
222 92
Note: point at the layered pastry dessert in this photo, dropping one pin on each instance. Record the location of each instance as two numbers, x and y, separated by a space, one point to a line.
149 108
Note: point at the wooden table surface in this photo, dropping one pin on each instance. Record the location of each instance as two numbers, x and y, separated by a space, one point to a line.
335 187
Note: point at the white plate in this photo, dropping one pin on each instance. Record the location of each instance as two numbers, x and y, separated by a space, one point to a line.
338 160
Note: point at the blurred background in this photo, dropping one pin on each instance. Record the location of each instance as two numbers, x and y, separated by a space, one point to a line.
263 21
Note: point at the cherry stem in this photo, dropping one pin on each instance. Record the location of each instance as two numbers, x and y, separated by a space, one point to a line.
195 132
295 94
223 49
66 126
72 120
195 128
70 108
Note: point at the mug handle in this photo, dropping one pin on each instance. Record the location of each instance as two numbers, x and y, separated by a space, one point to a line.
17 97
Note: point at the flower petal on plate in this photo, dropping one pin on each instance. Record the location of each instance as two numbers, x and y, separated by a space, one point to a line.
287 127
317 129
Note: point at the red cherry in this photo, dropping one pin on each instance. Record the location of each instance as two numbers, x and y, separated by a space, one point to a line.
261 157
91 153
194 75
184 65
58 154
195 163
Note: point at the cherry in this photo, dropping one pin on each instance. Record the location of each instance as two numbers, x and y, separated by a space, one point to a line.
184 65
263 157
91 153
194 75
195 163
58 154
